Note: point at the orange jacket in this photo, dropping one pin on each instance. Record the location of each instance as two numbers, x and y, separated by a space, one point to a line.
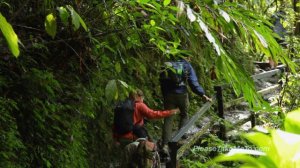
141 111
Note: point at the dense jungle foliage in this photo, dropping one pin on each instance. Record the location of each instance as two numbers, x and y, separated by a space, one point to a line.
64 64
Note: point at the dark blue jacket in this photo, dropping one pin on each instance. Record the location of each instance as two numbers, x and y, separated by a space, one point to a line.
168 86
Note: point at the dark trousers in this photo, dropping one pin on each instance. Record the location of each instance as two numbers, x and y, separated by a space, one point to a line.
172 101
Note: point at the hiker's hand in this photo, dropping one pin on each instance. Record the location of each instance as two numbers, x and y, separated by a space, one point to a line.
208 99
175 111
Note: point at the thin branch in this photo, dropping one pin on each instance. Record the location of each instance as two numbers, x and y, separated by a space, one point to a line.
28 27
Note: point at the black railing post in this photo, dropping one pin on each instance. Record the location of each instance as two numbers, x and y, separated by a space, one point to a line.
219 97
253 119
173 146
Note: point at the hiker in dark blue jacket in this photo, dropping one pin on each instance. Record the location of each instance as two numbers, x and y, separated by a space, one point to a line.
175 92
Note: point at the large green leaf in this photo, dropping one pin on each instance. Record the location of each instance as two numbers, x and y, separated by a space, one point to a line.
167 2
76 19
259 139
10 36
50 25
264 143
292 122
282 149
111 90
63 14
288 148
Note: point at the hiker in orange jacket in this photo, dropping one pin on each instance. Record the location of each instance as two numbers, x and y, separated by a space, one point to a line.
141 111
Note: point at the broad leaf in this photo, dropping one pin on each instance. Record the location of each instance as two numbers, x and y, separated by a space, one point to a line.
64 15
10 36
282 149
291 123
259 139
288 148
167 2
76 19
50 25
111 90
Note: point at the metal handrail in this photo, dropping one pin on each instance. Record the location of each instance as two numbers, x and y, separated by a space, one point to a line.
173 144
191 122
